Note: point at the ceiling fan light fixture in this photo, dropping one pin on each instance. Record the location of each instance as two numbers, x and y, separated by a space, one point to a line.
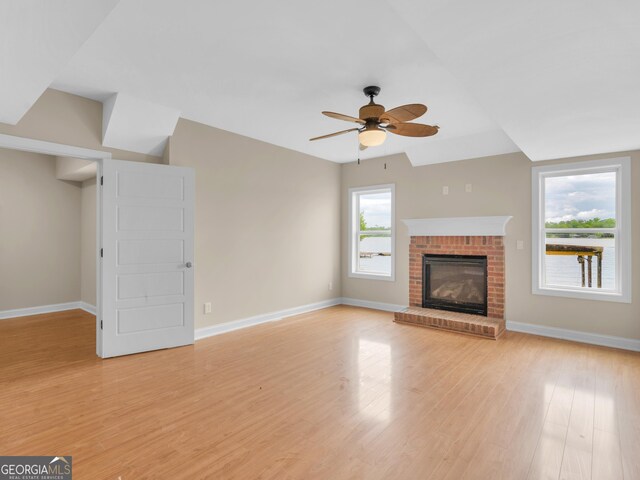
372 137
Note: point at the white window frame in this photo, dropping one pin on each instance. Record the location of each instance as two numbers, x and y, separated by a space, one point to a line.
354 231
622 167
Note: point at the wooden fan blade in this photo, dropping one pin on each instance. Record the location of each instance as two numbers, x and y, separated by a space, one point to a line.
334 134
346 118
413 129
405 113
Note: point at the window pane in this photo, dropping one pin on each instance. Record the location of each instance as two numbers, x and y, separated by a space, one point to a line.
375 211
568 253
374 254
581 201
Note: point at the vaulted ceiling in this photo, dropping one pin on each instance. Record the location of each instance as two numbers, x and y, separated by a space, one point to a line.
553 79
37 40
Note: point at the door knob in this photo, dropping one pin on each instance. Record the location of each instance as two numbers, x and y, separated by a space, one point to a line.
188 265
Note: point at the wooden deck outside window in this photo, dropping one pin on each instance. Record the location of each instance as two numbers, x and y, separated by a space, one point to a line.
583 253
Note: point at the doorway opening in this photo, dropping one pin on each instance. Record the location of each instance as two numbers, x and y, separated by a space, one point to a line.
49 211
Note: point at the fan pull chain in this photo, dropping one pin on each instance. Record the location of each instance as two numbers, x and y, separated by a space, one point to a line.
385 165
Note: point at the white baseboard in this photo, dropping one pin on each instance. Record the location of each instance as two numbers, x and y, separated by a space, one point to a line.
258 319
387 307
58 307
553 332
87 307
584 337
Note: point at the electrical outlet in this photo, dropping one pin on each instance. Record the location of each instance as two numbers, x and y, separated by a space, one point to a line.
520 244
330 286
207 307
445 190
467 188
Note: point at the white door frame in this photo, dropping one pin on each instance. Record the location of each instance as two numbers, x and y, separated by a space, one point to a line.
57 149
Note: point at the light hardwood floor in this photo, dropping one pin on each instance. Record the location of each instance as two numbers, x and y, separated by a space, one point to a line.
342 393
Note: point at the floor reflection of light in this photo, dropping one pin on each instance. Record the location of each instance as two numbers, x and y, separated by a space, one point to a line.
374 379
605 417
578 415
548 393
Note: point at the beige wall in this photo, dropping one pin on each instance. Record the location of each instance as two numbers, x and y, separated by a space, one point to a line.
88 242
267 229
501 186
39 232
48 233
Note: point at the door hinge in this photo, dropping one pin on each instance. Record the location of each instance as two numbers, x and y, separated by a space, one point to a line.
100 324
101 252
101 180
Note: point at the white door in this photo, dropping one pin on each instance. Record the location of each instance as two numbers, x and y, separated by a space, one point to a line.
146 279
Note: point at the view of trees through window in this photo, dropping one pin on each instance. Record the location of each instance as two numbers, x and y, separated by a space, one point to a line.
580 228
591 223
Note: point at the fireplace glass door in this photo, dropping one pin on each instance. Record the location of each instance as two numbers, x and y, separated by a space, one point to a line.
455 282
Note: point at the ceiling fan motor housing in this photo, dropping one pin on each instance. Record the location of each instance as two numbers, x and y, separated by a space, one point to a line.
371 111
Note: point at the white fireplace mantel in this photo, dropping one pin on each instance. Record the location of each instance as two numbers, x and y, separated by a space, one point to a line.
457 226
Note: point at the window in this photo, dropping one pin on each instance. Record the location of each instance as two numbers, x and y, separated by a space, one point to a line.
581 230
372 243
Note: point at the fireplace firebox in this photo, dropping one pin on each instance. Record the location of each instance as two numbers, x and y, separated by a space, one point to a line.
455 282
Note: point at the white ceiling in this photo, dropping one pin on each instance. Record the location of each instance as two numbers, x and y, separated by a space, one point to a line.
268 72
553 79
562 78
37 39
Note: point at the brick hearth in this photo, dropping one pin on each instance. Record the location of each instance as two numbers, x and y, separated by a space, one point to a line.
454 321
493 248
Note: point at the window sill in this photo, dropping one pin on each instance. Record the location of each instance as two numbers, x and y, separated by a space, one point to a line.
372 276
570 293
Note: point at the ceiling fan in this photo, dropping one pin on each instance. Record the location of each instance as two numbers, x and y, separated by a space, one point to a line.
375 122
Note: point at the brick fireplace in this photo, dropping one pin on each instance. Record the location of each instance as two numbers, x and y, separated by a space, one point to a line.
427 239
491 247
